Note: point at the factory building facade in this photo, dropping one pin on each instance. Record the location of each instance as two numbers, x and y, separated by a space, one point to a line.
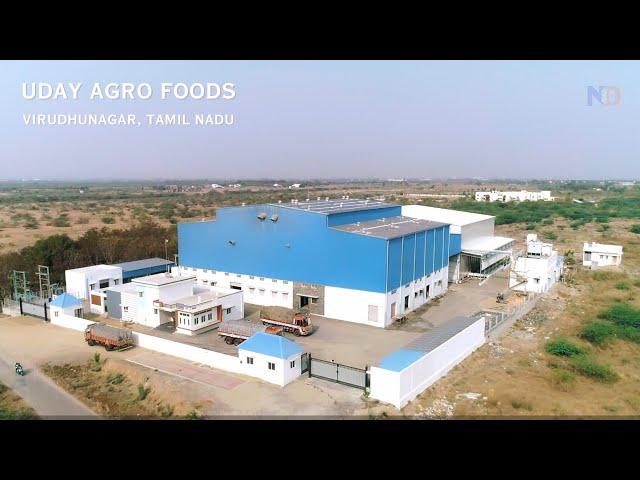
353 260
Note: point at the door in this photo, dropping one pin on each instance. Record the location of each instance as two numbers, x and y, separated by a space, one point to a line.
304 301
373 313
406 302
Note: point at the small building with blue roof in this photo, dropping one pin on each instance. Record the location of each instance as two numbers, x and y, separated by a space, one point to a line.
271 357
66 304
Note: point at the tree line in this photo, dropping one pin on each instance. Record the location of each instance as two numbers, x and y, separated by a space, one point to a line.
96 246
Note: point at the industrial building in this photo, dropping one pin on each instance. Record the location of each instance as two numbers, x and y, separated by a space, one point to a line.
519 196
596 255
171 298
538 270
350 259
474 249
80 281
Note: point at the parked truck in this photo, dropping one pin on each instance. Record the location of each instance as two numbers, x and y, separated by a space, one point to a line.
235 332
299 324
111 338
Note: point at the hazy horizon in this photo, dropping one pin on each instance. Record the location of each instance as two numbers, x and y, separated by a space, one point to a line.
335 120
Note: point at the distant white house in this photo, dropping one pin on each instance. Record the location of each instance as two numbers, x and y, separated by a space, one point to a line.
81 281
215 186
295 185
271 357
538 270
596 255
510 196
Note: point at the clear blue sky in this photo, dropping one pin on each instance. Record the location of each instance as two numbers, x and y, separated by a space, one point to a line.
336 119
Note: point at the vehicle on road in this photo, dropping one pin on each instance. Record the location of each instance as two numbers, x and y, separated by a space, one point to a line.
19 369
299 324
112 338
235 332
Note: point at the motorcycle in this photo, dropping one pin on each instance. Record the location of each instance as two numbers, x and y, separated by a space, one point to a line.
19 369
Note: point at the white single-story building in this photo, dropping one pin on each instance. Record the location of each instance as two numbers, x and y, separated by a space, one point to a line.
65 304
514 196
271 357
538 270
596 255
172 298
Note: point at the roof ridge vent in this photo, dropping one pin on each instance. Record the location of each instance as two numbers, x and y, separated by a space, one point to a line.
326 199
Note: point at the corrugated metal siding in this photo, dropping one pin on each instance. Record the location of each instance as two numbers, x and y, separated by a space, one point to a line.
362 215
144 272
437 336
455 244
408 258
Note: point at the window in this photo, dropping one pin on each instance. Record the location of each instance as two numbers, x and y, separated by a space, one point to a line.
126 309
274 294
292 364
226 274
262 291
261 278
274 280
249 360
155 311
55 314
285 296
252 290
393 291
314 300
116 281
415 295
204 280
213 284
272 366
227 311
210 316
239 276
285 282
140 294
195 320
251 277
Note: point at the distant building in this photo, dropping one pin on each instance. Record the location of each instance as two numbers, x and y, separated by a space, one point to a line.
215 186
521 196
538 270
295 185
596 255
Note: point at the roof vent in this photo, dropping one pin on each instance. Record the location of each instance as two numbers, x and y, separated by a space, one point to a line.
243 204
232 242
262 216
326 199
318 198
308 199
274 217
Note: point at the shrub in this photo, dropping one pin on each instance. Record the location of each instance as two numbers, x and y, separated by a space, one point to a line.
563 348
61 221
598 333
562 378
108 220
521 404
622 314
117 379
192 415
635 229
589 368
143 391
165 410
530 226
550 235
82 220
622 286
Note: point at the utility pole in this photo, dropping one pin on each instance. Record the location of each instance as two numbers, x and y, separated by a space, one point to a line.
166 253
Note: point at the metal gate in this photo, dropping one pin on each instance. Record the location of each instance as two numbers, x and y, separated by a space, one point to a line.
336 372
40 310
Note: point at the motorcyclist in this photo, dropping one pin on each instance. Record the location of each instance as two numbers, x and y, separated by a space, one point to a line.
19 369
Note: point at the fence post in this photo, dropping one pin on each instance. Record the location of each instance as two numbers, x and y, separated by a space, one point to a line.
309 365
46 317
20 300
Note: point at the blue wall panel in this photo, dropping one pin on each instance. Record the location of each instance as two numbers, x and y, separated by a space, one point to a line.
445 251
420 255
297 247
455 244
362 215
395 261
430 250
408 258
438 248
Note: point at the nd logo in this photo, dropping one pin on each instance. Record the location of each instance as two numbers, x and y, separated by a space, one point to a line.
605 95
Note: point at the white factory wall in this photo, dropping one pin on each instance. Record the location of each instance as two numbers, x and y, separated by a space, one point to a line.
283 374
399 388
68 321
353 305
146 312
438 283
256 290
129 305
482 228
78 282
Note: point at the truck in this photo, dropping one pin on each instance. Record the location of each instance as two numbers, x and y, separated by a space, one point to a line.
299 324
235 332
111 338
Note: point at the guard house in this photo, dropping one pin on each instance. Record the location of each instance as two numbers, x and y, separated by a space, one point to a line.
271 357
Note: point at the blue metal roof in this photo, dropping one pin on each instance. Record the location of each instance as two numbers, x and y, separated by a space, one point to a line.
144 263
400 359
271 345
65 300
